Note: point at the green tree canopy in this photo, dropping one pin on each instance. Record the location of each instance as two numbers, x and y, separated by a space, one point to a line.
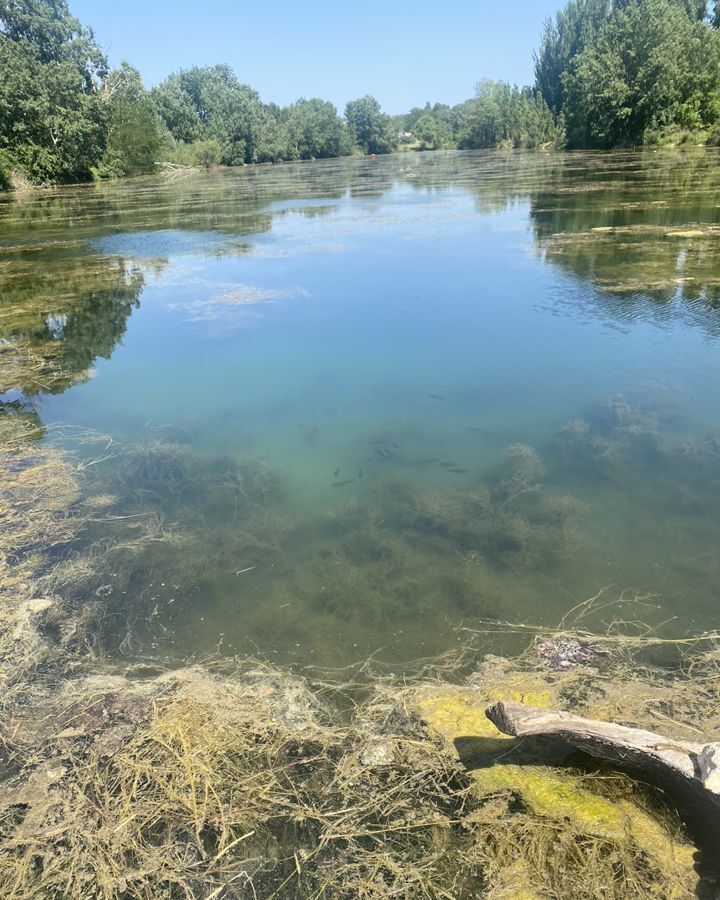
574 29
316 130
208 102
650 65
52 117
432 133
369 125
505 115
134 139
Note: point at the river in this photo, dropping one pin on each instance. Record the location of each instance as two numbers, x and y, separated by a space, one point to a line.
351 405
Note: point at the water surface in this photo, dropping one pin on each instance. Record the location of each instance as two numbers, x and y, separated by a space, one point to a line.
359 402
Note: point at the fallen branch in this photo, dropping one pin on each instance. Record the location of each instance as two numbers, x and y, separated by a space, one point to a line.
696 765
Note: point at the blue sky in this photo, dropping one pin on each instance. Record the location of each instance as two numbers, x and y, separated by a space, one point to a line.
403 52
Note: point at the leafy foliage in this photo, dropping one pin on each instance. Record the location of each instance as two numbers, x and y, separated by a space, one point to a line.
209 103
64 117
370 126
52 116
198 154
505 115
134 137
649 66
433 133
5 171
618 70
315 130
608 73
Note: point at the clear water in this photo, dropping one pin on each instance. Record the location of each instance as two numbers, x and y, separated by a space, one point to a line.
312 374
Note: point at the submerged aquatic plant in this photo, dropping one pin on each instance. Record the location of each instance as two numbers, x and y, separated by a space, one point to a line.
242 780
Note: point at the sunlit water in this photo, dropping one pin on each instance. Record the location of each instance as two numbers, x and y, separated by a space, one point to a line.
312 374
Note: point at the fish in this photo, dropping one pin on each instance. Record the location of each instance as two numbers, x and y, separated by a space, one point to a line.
360 473
446 465
343 483
436 397
336 472
380 443
456 471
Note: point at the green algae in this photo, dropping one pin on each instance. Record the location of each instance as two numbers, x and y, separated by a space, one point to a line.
609 818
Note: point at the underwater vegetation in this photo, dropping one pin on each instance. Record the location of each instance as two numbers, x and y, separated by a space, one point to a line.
254 781
190 553
239 779
195 553
195 539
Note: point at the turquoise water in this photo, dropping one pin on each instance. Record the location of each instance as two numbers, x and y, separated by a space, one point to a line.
312 374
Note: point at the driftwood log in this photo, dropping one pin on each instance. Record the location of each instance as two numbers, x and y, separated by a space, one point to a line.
691 765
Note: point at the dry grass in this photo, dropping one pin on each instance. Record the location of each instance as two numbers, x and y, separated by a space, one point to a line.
239 786
190 785
30 368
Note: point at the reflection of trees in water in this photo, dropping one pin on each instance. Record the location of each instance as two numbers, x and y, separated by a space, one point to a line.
61 310
65 303
239 202
642 226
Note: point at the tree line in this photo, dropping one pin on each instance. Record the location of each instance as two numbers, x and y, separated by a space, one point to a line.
66 116
608 73
628 72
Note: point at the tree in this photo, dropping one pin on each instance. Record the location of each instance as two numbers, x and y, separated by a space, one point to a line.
562 40
649 66
369 126
432 133
574 29
209 103
505 115
51 109
273 142
176 110
316 130
134 139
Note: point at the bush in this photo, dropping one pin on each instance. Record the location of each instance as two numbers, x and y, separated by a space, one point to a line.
199 154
